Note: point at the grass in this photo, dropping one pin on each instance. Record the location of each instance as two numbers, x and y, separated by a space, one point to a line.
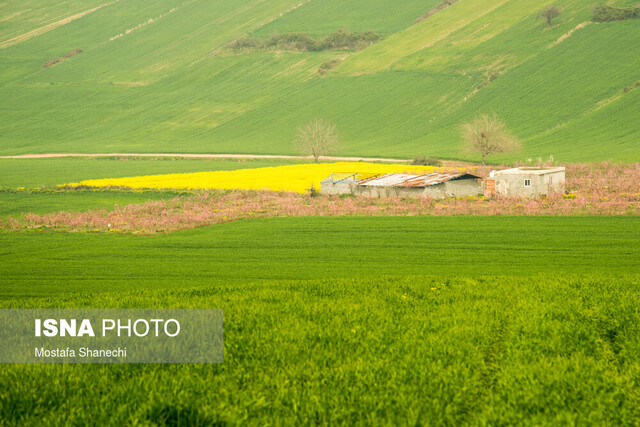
482 320
420 320
35 173
32 174
275 248
14 203
158 89
322 19
354 320
541 350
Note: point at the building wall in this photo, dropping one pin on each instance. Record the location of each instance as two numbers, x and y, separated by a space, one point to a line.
555 182
458 188
489 187
513 184
339 188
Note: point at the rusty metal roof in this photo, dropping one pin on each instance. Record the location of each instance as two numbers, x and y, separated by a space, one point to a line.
406 180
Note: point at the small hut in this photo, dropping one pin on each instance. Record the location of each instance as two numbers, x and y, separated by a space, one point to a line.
526 181
434 185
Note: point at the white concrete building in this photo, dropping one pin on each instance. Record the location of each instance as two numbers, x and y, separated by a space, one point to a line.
526 181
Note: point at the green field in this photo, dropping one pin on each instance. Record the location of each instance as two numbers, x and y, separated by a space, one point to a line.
497 320
312 248
328 320
14 203
32 174
158 88
36 173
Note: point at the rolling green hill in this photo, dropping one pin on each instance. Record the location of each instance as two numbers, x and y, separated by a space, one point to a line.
151 77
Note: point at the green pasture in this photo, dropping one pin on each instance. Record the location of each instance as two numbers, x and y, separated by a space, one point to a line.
325 17
36 173
419 320
14 203
163 88
37 263
22 180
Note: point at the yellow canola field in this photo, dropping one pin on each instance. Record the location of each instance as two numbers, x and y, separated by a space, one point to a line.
298 178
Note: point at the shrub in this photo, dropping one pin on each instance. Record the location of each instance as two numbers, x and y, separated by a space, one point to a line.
442 5
489 77
312 192
604 13
426 161
51 62
56 60
628 89
293 41
328 66
243 43
73 53
341 39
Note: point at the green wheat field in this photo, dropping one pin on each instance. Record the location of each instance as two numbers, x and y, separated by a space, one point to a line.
162 87
485 320
350 320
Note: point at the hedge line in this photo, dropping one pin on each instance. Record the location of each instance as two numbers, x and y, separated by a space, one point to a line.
605 13
341 39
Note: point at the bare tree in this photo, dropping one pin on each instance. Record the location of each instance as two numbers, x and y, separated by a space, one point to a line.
550 12
487 135
317 138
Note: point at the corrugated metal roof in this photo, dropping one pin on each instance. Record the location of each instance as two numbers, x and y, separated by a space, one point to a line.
406 180
349 177
388 180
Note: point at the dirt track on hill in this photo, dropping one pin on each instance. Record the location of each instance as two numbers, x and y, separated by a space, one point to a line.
212 156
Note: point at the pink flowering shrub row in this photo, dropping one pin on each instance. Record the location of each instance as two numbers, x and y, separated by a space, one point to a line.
593 189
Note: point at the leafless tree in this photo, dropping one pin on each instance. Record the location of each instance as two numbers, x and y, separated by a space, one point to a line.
487 135
550 12
317 138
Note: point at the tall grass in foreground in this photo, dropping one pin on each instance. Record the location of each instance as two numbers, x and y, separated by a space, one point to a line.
415 350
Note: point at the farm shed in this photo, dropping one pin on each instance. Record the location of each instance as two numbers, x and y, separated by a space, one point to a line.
526 181
435 185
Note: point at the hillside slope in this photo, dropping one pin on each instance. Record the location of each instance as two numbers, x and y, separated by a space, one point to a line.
129 76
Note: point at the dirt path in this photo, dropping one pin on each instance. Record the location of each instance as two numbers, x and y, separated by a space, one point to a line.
208 156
